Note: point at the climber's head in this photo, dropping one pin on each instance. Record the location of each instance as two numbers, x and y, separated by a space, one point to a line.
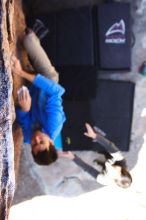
120 175
43 150
123 178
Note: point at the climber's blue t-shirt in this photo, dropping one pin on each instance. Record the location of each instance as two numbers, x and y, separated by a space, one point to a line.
46 110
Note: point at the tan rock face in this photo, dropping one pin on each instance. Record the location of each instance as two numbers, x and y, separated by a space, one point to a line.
17 27
7 182
16 32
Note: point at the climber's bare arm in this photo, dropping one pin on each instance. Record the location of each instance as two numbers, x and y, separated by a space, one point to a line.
18 70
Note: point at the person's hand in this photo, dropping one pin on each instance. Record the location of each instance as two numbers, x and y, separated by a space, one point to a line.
67 154
17 69
16 66
90 131
24 99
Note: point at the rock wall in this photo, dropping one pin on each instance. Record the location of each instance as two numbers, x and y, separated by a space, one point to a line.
12 26
7 182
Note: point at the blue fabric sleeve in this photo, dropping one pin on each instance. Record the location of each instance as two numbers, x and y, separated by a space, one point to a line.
55 116
48 85
24 121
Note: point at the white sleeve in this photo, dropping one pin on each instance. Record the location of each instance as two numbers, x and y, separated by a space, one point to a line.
117 156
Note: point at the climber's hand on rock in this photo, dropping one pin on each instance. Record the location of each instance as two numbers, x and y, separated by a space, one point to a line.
24 99
16 66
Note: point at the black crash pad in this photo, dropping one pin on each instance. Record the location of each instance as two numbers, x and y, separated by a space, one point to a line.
111 111
113 36
78 81
70 39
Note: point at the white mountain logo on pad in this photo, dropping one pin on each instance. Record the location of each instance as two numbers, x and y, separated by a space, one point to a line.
116 33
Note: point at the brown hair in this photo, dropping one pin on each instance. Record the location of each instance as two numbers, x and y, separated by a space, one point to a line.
126 178
46 157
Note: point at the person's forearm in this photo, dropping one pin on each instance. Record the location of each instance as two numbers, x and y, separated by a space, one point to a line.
86 167
30 77
109 146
